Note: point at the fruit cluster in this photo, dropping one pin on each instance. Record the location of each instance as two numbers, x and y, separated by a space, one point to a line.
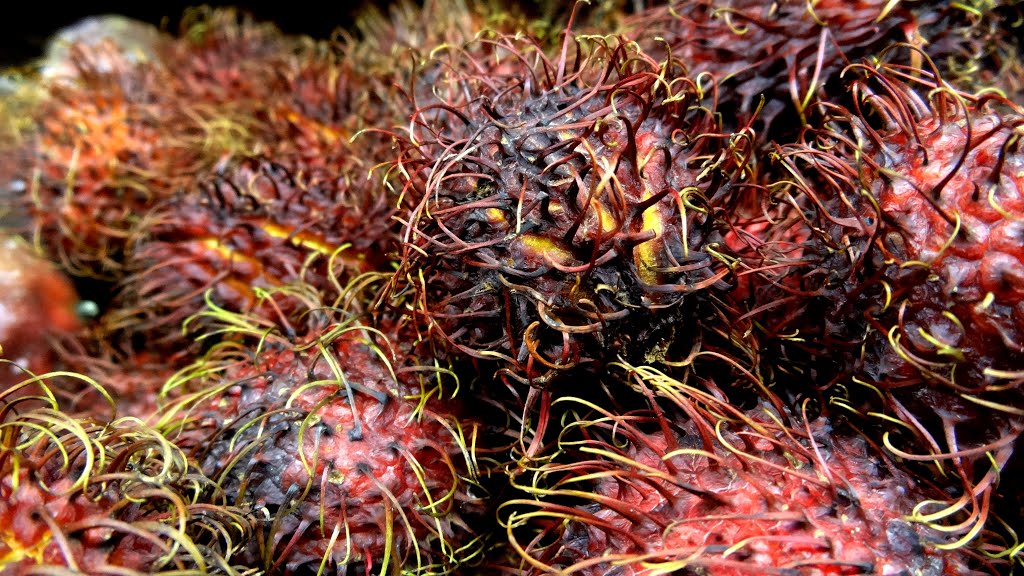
705 287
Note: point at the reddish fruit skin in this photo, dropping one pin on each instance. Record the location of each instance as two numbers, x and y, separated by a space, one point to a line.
116 136
985 198
928 254
36 303
97 157
79 495
757 48
753 497
255 226
550 217
906 304
338 470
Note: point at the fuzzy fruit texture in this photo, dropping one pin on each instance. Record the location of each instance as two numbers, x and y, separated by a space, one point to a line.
257 237
553 204
784 50
976 43
90 497
917 221
97 156
906 302
353 467
721 491
116 135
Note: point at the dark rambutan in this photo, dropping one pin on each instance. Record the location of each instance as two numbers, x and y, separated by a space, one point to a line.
340 446
562 211
789 52
976 44
707 488
788 55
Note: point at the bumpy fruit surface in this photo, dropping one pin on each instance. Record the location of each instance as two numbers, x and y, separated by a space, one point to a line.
83 496
562 211
909 289
353 467
785 50
254 238
714 489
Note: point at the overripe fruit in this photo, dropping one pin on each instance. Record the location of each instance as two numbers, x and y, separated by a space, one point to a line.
559 212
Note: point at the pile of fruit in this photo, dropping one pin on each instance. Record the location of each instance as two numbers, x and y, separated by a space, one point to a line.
706 287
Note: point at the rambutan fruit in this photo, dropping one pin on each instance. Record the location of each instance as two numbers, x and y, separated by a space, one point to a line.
976 44
789 52
96 157
81 496
341 446
253 237
703 487
787 55
562 211
225 55
36 303
905 304
120 135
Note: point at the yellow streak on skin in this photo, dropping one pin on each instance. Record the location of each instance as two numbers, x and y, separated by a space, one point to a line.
645 255
302 240
224 251
547 247
495 216
326 131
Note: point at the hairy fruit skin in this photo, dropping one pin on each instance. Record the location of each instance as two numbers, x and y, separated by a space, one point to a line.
256 238
907 298
789 51
547 218
350 468
934 235
724 492
79 495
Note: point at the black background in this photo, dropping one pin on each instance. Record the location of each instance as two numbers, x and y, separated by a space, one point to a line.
23 32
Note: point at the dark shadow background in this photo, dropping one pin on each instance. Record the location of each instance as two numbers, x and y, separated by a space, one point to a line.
23 33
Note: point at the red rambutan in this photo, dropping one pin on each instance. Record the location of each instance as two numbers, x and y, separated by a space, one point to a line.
88 497
340 445
906 303
713 489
